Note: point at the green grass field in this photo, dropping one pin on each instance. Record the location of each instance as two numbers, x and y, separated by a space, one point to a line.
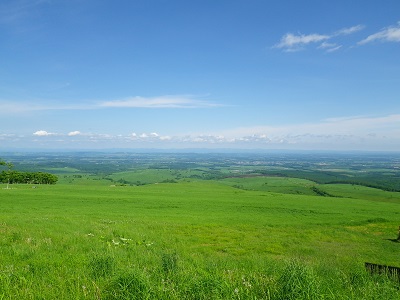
272 238
283 185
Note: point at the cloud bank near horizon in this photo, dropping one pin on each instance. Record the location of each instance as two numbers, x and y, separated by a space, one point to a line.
349 133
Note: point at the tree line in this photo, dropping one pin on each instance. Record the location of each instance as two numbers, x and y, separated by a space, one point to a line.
10 176
27 177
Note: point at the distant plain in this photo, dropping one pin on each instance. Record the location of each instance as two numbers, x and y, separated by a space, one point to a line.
200 227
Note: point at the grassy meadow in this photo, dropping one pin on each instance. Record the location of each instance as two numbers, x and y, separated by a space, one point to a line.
181 234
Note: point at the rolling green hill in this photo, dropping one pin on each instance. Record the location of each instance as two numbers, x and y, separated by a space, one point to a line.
196 239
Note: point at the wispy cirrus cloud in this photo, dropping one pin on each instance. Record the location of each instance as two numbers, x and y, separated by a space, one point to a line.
295 42
349 30
22 106
173 101
329 47
160 102
388 34
327 42
21 15
15 107
291 42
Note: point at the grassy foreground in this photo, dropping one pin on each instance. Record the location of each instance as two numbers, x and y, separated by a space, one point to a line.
193 240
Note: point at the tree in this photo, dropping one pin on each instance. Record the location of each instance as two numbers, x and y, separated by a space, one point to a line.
9 166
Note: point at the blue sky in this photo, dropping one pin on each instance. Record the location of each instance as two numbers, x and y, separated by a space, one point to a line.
287 74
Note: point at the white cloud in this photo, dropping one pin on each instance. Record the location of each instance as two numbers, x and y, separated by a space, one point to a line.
43 133
204 138
22 107
326 45
153 136
74 133
329 50
12 107
158 102
165 138
7 136
329 47
291 42
253 138
389 34
350 30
